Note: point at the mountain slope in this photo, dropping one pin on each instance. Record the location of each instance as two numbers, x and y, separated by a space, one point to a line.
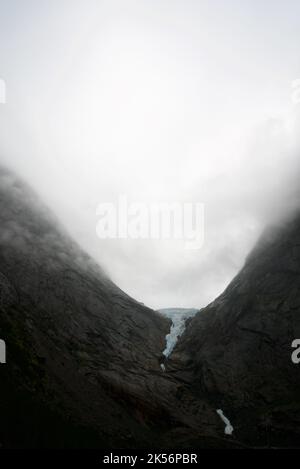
83 358
81 355
237 351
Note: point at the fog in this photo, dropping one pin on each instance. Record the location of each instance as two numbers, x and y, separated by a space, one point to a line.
163 101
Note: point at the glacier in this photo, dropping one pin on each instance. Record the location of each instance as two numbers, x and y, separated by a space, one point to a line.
178 317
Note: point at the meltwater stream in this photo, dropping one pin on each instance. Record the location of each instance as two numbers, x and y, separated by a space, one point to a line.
178 317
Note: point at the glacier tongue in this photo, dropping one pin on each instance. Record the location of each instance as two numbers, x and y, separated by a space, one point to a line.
178 317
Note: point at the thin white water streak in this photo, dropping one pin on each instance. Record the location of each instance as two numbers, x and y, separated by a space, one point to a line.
228 427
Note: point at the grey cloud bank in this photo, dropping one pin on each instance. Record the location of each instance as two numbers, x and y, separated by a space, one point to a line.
183 101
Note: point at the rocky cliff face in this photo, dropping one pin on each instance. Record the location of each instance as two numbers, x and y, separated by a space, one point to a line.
237 352
81 355
83 358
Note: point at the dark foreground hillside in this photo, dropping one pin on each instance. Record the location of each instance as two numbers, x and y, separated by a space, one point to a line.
78 348
237 351
83 358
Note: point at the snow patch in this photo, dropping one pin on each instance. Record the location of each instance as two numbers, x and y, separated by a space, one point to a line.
228 427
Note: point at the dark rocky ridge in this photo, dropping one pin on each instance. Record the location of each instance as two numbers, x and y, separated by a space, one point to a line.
83 358
81 355
237 352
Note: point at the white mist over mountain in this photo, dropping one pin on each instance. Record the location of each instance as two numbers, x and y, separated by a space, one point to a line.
163 101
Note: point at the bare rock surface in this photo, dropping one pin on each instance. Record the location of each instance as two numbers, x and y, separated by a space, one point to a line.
237 352
84 359
82 356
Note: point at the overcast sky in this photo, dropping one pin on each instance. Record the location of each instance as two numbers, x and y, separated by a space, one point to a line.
164 101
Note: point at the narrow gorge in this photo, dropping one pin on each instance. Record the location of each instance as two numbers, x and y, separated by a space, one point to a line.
88 366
